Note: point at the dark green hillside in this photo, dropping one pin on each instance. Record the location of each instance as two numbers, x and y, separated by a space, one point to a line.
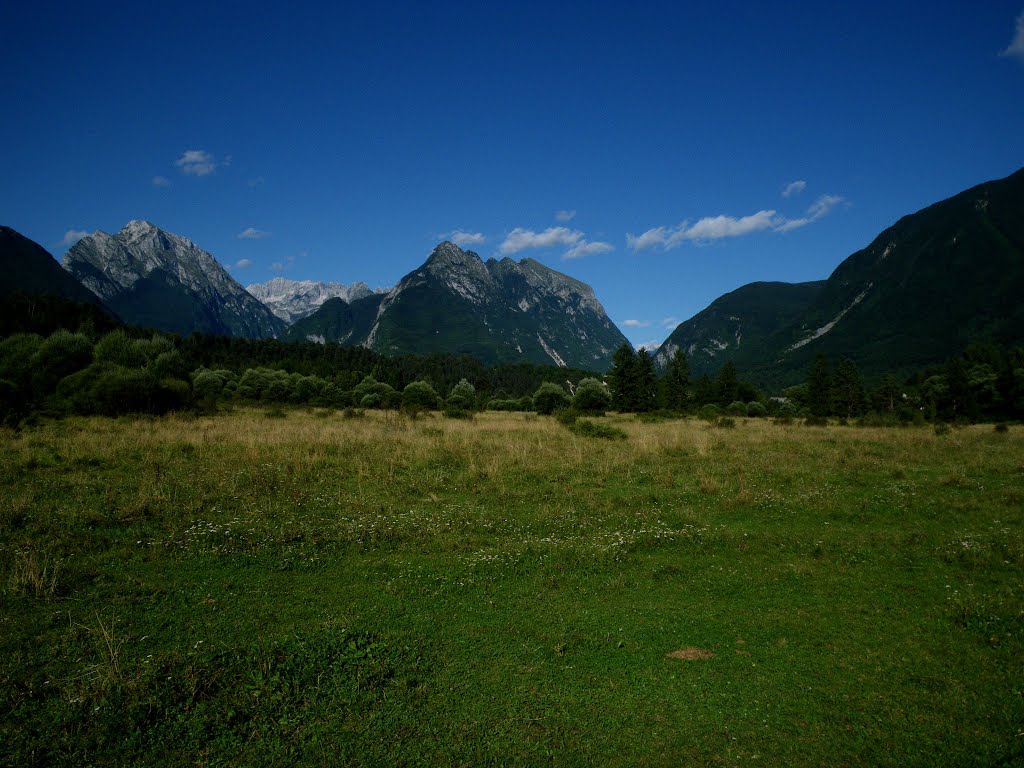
927 287
737 324
337 320
28 268
38 295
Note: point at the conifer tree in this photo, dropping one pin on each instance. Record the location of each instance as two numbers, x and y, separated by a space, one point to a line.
848 389
675 385
819 387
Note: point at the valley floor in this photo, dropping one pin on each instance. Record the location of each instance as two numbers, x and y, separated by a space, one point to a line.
309 589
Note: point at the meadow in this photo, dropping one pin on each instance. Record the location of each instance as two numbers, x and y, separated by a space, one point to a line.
297 587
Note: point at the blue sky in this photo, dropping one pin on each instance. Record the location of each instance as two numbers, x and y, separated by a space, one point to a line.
661 153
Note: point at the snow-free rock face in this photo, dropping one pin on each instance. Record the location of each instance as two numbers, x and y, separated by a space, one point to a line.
497 311
293 300
159 280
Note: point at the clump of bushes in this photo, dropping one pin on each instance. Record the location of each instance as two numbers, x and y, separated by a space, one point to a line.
591 397
419 396
549 398
709 412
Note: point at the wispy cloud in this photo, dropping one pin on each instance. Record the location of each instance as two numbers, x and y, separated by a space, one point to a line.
818 210
259 181
243 263
520 239
1015 49
283 266
712 228
670 322
72 236
794 188
564 216
584 248
161 182
199 162
251 233
462 238
635 323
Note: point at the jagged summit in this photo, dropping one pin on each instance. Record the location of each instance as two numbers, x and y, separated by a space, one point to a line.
497 311
155 278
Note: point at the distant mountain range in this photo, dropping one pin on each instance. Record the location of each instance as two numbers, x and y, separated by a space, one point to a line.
496 311
293 300
934 282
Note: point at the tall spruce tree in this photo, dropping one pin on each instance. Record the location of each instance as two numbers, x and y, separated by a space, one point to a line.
675 384
646 382
819 387
622 379
727 384
848 389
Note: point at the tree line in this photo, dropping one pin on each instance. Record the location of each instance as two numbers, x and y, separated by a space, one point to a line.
129 370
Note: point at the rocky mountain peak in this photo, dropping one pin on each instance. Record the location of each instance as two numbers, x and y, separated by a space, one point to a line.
154 278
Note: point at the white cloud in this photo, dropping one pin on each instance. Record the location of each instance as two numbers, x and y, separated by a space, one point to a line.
719 227
583 248
649 239
520 239
72 236
243 263
708 228
670 322
161 181
565 215
635 323
252 234
1016 48
462 238
819 209
794 188
198 162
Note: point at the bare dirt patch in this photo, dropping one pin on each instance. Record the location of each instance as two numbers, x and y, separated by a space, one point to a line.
690 654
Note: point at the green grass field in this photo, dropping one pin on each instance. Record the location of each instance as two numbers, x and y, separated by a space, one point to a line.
308 589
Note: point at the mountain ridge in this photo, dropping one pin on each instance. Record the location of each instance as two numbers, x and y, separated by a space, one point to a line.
157 279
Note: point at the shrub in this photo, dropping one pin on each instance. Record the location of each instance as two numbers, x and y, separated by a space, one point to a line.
726 422
588 428
384 394
61 354
549 398
566 417
117 348
816 421
462 396
709 412
1001 427
756 410
737 408
942 428
591 396
169 365
419 396
505 405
